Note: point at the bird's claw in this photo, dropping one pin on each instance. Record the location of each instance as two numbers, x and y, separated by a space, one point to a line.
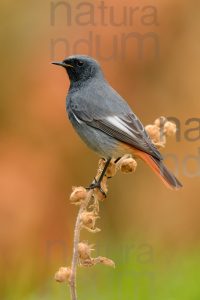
96 185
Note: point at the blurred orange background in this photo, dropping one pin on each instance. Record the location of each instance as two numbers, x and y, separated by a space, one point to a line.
41 155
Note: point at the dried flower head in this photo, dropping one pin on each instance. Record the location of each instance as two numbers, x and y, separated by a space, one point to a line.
157 135
106 261
160 122
128 165
98 260
84 251
158 132
103 260
63 274
88 220
170 128
154 133
87 262
78 195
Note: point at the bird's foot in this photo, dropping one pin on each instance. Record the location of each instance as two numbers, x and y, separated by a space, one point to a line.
96 185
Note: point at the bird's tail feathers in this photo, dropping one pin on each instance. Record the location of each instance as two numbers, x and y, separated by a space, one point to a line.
161 170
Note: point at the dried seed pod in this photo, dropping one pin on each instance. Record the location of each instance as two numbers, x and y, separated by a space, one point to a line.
84 251
63 274
160 122
128 165
103 260
170 128
88 219
107 262
87 263
154 133
78 195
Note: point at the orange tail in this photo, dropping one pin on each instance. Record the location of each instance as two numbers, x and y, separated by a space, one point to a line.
161 170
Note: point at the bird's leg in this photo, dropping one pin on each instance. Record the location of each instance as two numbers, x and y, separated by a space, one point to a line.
116 160
97 183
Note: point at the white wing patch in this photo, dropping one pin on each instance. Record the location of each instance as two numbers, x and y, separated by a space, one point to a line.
118 123
77 119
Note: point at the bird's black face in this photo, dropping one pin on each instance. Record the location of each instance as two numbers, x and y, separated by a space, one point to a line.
80 68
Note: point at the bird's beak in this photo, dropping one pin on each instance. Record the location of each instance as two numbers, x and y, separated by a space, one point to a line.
62 64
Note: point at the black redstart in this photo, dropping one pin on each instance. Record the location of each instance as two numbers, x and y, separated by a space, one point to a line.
105 122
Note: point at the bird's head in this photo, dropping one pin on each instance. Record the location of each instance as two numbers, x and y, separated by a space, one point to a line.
80 67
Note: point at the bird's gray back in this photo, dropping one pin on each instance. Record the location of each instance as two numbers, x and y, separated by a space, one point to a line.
97 99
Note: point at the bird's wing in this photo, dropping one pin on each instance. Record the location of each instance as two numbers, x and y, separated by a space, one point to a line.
124 127
101 107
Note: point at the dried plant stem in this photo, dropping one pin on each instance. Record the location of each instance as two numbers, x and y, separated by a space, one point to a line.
75 257
88 203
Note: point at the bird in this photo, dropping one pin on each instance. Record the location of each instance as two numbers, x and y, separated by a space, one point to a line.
105 121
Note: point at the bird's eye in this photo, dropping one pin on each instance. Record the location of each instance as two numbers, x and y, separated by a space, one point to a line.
79 63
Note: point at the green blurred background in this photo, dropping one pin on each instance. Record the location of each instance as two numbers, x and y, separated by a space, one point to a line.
151 233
